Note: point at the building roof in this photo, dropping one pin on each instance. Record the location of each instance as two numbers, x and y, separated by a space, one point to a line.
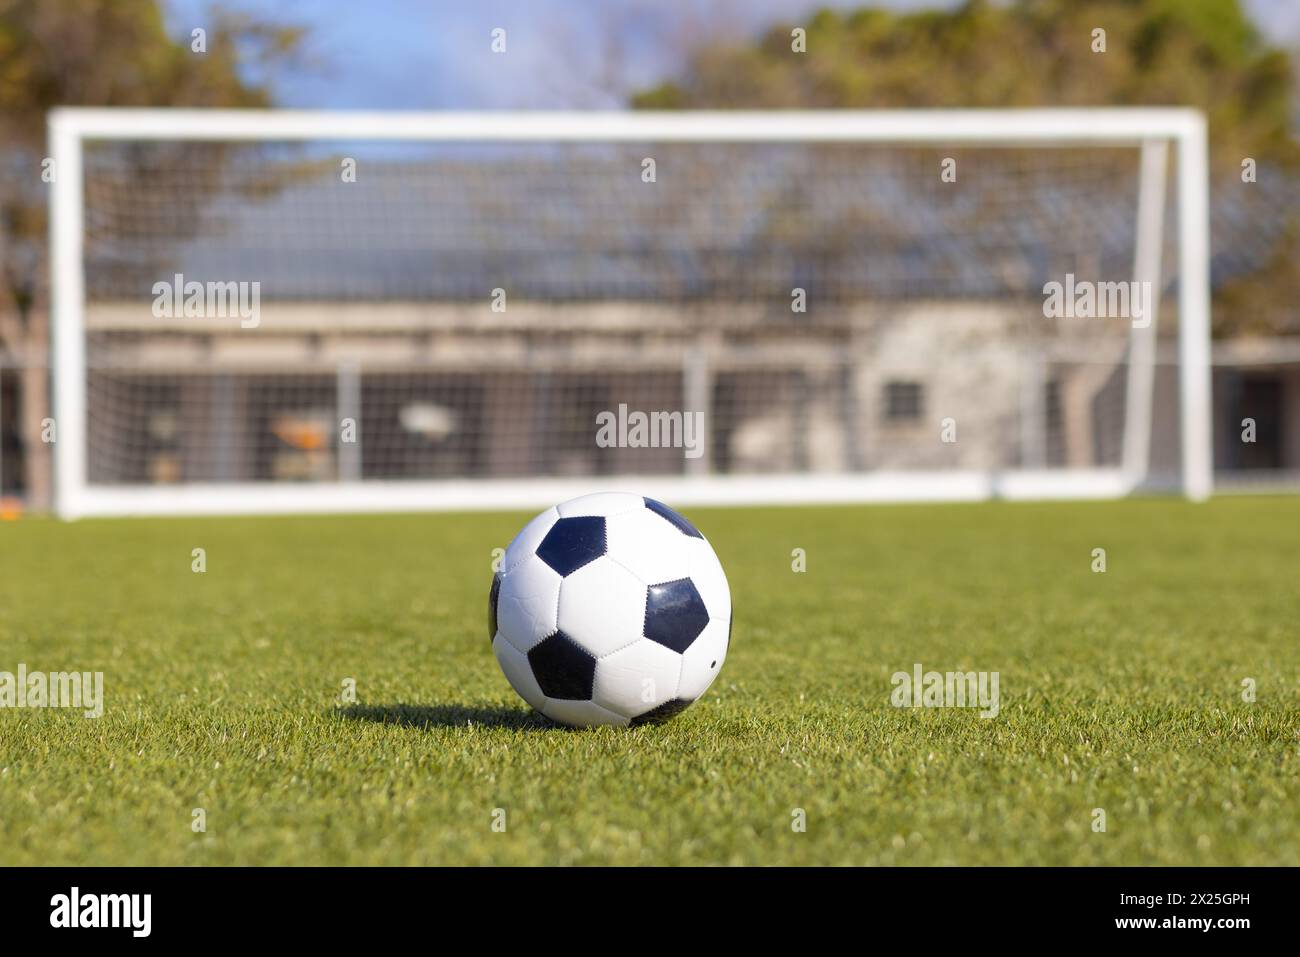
719 223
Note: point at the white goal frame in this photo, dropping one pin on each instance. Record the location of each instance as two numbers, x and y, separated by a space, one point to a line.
1150 130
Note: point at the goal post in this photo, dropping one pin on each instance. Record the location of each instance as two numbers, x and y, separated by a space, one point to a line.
849 304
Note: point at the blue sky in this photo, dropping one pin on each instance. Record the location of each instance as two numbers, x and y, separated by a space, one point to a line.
584 54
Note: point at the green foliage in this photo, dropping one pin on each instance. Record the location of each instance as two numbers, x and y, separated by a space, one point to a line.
1120 691
106 53
1202 53
1265 302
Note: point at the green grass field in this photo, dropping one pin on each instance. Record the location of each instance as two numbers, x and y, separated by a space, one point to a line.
1120 691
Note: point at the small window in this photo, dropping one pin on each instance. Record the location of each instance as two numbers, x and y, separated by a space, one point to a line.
1053 411
904 401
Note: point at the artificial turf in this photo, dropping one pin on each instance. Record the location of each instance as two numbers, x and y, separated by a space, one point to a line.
1119 690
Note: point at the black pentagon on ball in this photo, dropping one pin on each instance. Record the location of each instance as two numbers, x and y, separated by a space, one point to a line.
663 712
674 614
572 543
563 668
493 596
678 520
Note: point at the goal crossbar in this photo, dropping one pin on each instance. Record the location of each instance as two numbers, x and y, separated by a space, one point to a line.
1064 127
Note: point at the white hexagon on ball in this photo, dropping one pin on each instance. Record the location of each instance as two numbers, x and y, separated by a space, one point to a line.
528 600
637 679
649 547
601 503
526 542
517 671
602 607
702 661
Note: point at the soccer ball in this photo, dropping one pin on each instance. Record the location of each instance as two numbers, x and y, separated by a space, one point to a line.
610 609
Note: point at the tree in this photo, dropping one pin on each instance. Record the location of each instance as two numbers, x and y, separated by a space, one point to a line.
95 53
1204 53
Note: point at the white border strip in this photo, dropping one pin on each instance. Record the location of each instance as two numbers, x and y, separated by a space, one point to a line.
498 494
1196 408
67 318
1066 127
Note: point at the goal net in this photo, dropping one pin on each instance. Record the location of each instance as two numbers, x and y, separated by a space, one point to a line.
275 312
